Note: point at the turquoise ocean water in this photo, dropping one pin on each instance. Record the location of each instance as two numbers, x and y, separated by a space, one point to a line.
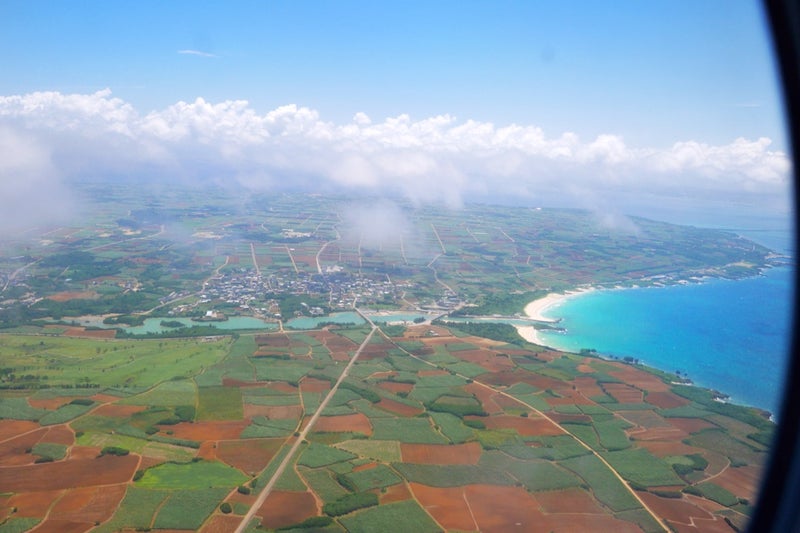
732 336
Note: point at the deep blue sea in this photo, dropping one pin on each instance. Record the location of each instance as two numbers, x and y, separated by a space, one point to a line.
731 336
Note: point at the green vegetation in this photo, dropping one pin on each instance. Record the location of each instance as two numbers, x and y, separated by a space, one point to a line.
219 403
349 503
401 517
187 476
188 509
317 455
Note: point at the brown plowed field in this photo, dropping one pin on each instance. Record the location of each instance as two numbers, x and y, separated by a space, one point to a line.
282 386
486 397
594 522
84 452
665 400
284 508
447 506
673 509
395 493
334 424
457 454
396 387
89 504
33 504
208 450
524 426
365 466
114 410
742 481
12 428
226 430
712 525
502 509
59 435
624 393
221 524
314 385
92 333
68 474
568 501
641 379
13 451
666 448
249 455
50 403
72 295
588 386
398 408
691 425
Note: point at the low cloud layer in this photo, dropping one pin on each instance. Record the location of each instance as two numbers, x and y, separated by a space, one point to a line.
49 138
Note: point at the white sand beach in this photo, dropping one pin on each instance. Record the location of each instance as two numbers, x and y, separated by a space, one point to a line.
535 310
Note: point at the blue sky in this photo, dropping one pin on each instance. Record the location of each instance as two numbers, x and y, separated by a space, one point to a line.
598 89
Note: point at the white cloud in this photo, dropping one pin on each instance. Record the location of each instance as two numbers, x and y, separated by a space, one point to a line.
436 159
196 53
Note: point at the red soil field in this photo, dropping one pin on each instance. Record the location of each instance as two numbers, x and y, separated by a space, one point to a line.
457 454
641 379
281 386
587 386
666 448
333 424
691 425
59 435
568 501
742 481
104 398
314 385
68 474
278 340
284 508
365 466
486 397
569 397
560 418
33 504
673 509
588 522
221 523
395 493
448 506
13 451
89 504
427 373
92 334
502 509
395 387
586 369
249 455
84 452
524 426
208 450
398 408
10 428
623 393
226 430
118 411
665 400
50 403
72 295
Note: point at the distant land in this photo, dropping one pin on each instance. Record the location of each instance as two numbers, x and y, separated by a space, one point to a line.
229 361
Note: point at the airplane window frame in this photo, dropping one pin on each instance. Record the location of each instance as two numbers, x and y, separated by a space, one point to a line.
778 507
